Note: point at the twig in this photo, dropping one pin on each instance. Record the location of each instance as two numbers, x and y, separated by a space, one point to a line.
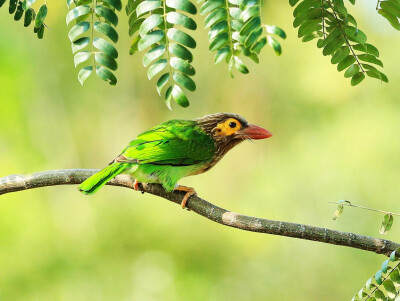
366 208
14 183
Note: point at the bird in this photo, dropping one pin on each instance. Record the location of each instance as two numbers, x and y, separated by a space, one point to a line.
175 149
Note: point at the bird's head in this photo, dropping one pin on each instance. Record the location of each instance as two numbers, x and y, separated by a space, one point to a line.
229 129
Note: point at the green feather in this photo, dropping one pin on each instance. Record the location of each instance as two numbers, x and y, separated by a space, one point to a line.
95 182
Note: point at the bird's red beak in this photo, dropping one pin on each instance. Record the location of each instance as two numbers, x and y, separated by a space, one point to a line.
255 132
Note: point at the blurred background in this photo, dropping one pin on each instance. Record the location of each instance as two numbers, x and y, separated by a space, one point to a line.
331 142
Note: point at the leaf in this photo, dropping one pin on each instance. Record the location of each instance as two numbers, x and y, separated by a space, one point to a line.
147 6
106 75
84 73
81 57
340 55
26 4
180 51
40 32
77 12
182 66
179 96
77 30
371 59
358 78
156 68
240 66
161 82
391 18
19 13
215 17
184 5
273 29
386 224
219 41
105 47
150 39
338 212
352 70
153 54
41 15
390 289
105 60
114 3
275 45
211 5
184 80
368 48
107 30
29 16
346 63
181 37
150 23
107 14
180 19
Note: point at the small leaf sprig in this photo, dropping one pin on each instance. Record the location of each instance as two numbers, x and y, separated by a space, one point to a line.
387 219
92 37
385 284
390 10
21 9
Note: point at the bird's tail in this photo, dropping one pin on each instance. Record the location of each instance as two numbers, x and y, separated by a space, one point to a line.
95 182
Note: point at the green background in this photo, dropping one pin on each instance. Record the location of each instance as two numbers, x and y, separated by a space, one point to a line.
331 142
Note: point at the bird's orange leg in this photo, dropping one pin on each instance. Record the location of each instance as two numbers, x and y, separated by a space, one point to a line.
189 192
136 185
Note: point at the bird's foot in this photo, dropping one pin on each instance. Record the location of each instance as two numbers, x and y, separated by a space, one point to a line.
189 192
136 185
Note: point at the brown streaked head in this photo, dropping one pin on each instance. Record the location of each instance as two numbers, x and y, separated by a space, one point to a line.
229 129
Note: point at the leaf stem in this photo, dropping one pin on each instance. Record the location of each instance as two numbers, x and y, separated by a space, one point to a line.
366 208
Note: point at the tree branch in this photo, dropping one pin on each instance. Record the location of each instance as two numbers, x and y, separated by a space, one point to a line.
14 183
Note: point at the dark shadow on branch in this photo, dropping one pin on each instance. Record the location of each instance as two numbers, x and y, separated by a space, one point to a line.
14 183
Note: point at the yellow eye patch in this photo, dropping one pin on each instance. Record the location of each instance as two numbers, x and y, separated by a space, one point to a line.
228 127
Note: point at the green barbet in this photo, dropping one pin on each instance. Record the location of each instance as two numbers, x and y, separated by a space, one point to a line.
176 149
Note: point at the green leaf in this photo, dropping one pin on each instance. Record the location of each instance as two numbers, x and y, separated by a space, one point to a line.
215 16
161 82
114 3
358 78
221 54
156 68
179 96
259 45
84 73
181 37
380 296
134 26
216 29
81 57
273 29
80 44
340 55
252 38
211 5
153 54
150 39
391 7
77 12
355 35
368 48
147 6
105 60
180 19
346 63
134 45
150 23
377 74
391 18
390 289
275 45
386 224
106 75
249 13
107 14
106 47
27 4
352 70
220 41
77 30
370 59
338 212
183 5
13 6
184 80
181 65
180 51
41 15
40 32
107 30
251 25
29 16
19 13
240 66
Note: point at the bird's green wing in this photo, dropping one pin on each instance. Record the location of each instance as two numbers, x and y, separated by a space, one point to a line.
175 142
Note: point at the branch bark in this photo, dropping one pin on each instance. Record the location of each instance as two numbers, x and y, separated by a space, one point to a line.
14 183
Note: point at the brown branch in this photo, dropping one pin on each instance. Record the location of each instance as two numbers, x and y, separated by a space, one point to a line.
14 183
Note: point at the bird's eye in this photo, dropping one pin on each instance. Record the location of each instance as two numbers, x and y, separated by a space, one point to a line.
232 124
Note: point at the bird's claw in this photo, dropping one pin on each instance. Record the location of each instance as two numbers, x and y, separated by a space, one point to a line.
189 192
